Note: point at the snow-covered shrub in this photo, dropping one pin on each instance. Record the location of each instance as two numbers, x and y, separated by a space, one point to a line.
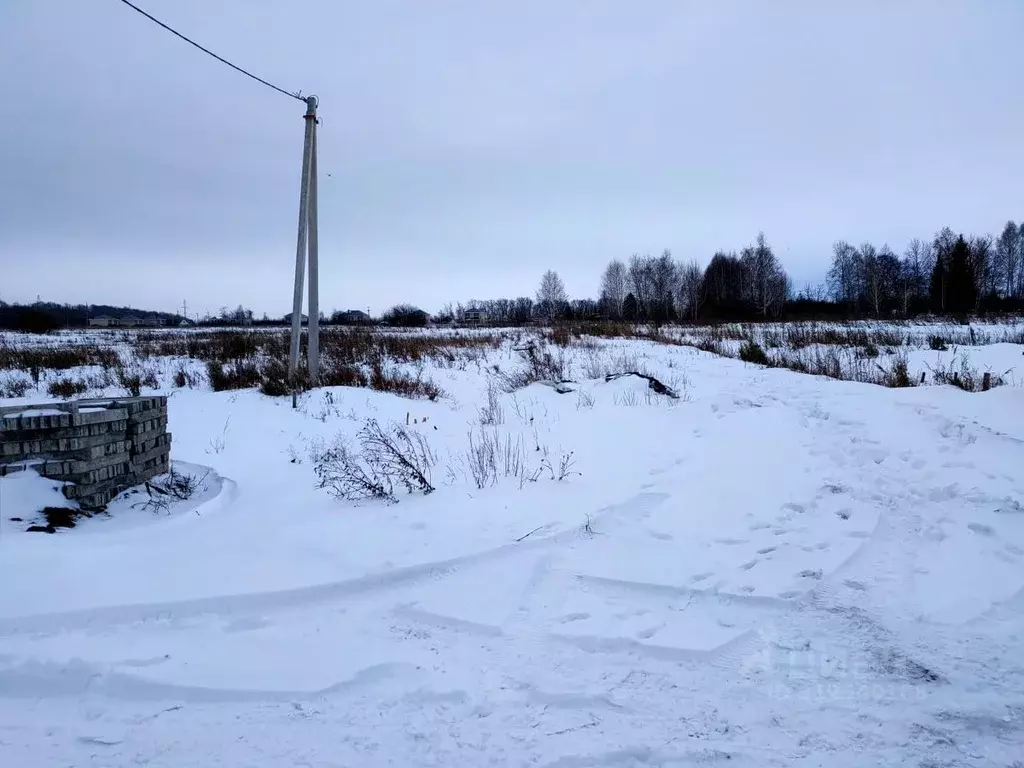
492 413
66 388
541 365
388 456
345 475
15 386
752 352
134 376
492 456
185 378
241 374
400 453
964 376
385 378
897 375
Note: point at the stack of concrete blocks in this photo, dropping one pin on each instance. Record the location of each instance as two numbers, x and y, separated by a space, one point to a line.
98 447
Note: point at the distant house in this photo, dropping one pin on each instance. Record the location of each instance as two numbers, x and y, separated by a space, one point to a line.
352 317
474 317
288 319
128 321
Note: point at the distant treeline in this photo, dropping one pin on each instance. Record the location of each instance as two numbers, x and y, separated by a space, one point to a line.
950 274
43 317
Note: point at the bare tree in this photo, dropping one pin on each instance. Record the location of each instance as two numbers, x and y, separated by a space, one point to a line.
551 296
641 280
663 285
917 266
842 275
522 310
767 284
983 267
613 289
1008 257
879 277
691 289
1020 262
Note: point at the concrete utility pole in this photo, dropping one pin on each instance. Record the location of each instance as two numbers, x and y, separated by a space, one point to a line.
306 248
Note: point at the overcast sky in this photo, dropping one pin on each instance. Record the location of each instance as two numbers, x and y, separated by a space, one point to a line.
469 145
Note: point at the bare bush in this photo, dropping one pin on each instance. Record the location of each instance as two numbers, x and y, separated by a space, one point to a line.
963 376
15 386
66 388
346 475
565 466
220 442
541 365
166 489
387 456
133 377
183 377
390 379
584 399
482 457
492 414
241 374
897 375
629 398
752 352
707 343
398 453
492 456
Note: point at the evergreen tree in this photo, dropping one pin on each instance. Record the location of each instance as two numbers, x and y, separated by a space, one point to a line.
962 291
938 284
630 310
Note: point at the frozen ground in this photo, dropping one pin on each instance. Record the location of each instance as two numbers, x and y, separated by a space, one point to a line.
778 569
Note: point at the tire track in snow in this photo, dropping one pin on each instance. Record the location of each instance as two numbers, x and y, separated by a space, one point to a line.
282 600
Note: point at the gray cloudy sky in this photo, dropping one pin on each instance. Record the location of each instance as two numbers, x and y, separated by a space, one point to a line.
473 144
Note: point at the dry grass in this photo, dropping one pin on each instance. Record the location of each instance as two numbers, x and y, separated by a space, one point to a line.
54 358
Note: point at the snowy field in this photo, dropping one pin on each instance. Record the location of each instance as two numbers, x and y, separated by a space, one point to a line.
773 569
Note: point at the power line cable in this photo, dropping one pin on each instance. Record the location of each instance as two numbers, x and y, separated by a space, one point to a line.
221 59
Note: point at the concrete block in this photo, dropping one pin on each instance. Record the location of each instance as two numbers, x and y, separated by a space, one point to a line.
149 425
98 416
141 459
99 447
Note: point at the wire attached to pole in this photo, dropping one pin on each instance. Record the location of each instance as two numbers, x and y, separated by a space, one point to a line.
296 95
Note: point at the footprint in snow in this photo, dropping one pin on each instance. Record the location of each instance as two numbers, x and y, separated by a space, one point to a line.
748 565
571 617
701 576
731 542
807 573
766 550
982 529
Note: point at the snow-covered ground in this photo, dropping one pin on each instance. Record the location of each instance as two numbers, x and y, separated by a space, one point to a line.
775 569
